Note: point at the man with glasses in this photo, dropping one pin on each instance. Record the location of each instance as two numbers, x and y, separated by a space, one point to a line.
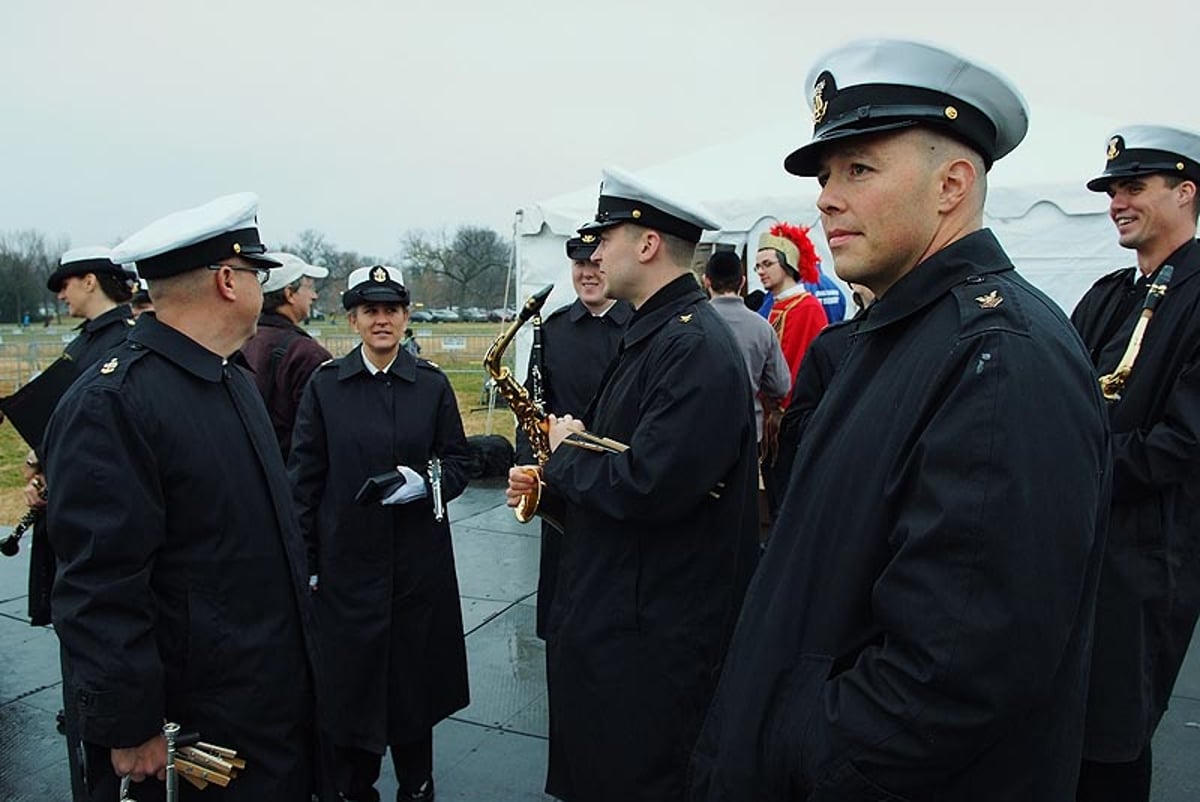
182 588
282 354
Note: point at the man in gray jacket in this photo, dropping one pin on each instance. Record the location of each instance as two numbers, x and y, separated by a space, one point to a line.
768 370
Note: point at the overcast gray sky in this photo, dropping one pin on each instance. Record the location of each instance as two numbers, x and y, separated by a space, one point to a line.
367 119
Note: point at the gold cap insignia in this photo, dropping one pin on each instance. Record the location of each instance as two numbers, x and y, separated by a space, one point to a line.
588 239
989 301
1113 152
109 366
379 274
237 247
820 106
686 318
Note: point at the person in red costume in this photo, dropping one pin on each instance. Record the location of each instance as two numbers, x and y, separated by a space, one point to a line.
786 257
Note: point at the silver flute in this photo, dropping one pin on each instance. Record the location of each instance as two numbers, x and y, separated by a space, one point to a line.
435 483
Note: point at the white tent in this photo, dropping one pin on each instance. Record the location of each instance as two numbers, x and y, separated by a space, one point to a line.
1057 232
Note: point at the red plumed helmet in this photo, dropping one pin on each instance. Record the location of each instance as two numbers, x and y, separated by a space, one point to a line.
794 244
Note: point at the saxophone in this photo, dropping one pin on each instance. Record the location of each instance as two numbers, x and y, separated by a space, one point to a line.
528 411
1111 384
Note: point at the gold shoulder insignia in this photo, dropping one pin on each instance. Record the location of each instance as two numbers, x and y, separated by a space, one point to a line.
431 363
130 322
326 362
109 366
686 318
989 301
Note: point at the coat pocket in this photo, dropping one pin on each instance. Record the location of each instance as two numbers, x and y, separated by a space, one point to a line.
208 640
794 700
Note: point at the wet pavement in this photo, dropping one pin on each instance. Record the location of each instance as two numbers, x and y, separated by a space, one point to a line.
494 750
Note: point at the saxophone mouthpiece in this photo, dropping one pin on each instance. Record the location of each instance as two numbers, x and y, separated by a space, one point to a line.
534 304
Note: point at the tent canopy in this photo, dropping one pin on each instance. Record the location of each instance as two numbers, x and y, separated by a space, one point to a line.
1056 232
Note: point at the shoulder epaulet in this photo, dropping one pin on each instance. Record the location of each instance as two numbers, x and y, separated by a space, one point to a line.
130 322
558 311
837 324
422 362
114 367
1116 274
327 363
989 302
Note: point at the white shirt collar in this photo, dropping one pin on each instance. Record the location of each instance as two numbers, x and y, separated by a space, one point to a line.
371 365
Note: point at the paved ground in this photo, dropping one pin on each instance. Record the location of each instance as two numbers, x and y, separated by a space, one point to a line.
495 750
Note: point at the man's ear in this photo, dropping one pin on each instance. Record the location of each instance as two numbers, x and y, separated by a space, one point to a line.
958 180
649 243
223 279
1186 192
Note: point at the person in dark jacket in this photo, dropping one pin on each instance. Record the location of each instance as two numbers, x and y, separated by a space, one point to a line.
660 538
98 290
1150 583
568 358
281 353
383 563
919 626
181 592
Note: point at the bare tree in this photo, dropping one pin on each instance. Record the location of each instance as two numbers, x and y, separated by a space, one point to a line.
468 269
27 258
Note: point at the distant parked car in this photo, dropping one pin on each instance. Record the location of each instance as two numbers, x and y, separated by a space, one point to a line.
473 314
501 315
446 315
422 316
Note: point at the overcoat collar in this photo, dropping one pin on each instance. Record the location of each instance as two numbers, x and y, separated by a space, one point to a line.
404 366
177 347
976 254
661 307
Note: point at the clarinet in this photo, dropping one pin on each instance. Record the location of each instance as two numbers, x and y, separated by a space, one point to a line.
537 383
12 544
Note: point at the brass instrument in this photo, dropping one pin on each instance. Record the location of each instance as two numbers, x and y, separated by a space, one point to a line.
528 410
201 764
1111 384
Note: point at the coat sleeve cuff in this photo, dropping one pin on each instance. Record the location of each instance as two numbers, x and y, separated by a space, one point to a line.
117 720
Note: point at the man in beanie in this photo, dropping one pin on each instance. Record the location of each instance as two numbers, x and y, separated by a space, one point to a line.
182 590
920 624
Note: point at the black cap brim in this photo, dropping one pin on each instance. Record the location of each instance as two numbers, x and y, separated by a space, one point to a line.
374 295
806 161
82 268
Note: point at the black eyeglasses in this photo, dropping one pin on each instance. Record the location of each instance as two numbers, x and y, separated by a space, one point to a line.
263 274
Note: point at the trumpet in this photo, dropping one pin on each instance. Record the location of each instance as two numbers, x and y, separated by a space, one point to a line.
1112 384
531 417
200 764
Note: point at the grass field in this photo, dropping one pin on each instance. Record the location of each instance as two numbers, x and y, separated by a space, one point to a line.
457 348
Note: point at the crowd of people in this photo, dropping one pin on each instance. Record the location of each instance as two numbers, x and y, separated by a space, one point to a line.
946 548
